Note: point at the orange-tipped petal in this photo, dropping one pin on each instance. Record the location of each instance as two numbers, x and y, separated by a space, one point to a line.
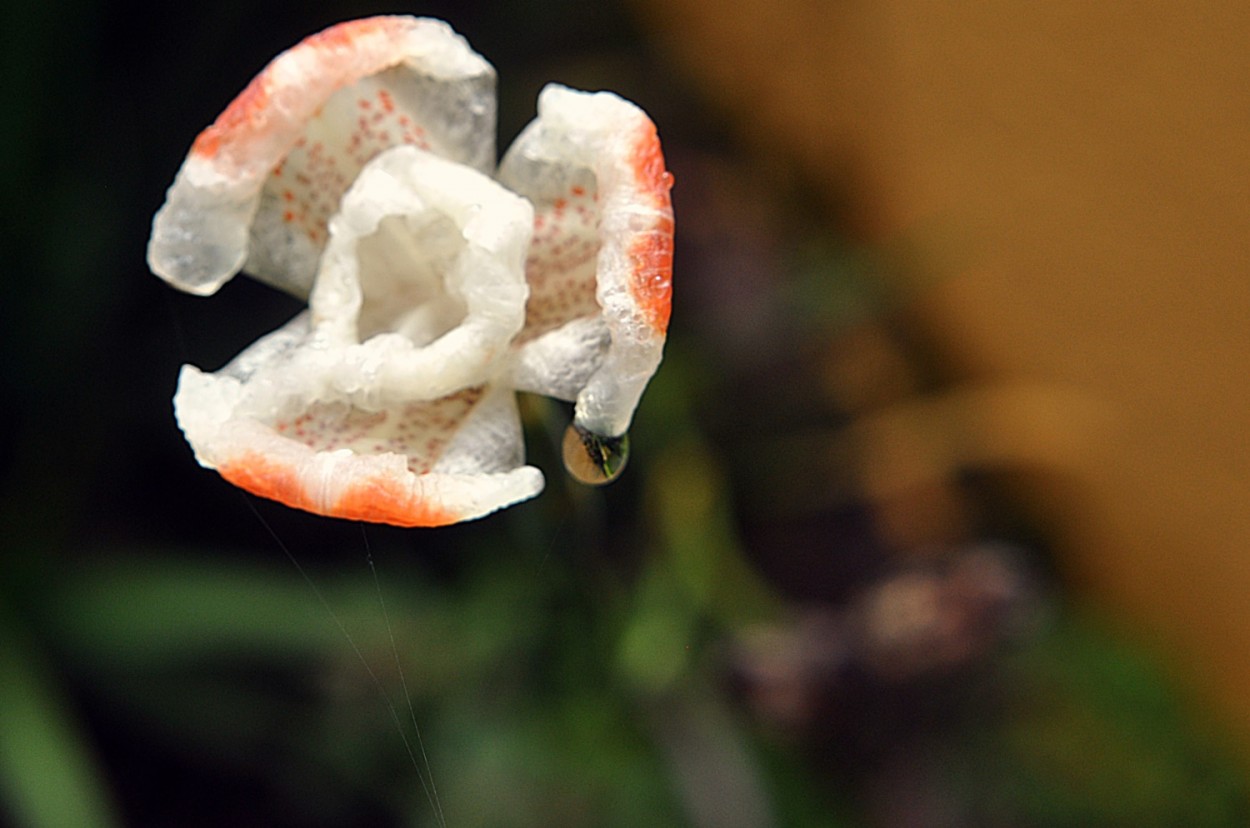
600 268
260 183
381 402
415 464
375 500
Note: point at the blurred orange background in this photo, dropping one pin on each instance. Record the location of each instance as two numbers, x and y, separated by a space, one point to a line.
1074 178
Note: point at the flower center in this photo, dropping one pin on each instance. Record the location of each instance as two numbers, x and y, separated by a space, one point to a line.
403 277
421 287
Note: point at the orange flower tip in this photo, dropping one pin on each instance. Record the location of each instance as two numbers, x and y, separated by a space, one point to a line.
652 285
408 501
321 64
215 220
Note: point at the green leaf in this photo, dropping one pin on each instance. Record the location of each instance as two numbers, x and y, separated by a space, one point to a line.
47 773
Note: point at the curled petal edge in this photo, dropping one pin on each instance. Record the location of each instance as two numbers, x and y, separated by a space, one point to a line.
401 189
200 235
378 488
618 143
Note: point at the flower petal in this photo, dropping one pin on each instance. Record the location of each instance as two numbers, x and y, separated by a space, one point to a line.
425 264
261 182
416 464
602 253
422 284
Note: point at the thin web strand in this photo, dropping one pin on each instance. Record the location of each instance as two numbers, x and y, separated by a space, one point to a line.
338 622
403 682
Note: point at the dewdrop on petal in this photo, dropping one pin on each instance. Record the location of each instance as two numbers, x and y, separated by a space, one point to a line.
592 459
357 171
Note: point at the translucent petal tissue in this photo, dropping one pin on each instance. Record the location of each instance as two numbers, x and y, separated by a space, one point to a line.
357 171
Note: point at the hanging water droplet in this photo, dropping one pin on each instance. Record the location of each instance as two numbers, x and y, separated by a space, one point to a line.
592 458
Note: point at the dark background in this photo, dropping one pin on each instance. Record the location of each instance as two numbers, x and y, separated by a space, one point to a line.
742 631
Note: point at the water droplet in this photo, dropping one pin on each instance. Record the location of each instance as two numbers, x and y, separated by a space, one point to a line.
593 459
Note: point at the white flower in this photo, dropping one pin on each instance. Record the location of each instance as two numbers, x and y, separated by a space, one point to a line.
357 170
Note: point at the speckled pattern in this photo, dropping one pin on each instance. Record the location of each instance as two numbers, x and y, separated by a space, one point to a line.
311 179
419 431
560 267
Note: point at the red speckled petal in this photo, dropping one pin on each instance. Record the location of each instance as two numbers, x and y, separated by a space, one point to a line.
412 464
600 267
261 182
380 401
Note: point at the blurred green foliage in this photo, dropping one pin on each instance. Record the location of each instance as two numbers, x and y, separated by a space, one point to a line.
573 661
